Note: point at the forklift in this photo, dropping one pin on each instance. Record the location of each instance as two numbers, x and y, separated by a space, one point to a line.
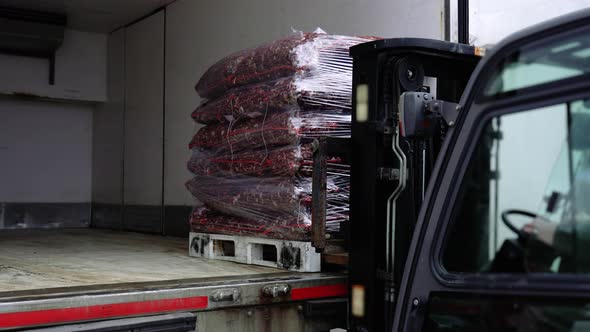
468 183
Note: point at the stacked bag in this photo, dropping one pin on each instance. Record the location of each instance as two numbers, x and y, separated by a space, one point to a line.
252 161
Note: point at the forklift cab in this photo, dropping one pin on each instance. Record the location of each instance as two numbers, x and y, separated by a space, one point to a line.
503 235
477 220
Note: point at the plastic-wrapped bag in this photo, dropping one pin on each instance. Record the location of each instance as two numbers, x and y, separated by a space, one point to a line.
285 161
285 128
266 199
275 129
314 92
281 161
268 61
298 53
205 220
261 199
249 101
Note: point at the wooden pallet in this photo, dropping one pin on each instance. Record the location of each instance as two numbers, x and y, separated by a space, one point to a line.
289 255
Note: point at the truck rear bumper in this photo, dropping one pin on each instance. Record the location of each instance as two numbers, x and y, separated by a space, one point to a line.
25 309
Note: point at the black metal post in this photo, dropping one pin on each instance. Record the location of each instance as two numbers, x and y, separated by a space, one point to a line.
463 21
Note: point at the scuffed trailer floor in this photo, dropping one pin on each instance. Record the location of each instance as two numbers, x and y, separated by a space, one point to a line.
36 259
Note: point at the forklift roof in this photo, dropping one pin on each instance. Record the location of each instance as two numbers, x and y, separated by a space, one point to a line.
438 46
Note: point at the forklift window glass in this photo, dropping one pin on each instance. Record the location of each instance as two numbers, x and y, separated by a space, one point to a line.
524 204
563 56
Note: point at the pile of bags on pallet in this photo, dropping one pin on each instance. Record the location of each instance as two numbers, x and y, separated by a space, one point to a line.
252 161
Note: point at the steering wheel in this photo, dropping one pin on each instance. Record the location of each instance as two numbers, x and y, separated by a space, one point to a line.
516 255
522 235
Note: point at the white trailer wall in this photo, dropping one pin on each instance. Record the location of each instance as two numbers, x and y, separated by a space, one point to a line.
144 127
46 145
490 21
108 141
80 70
45 163
129 128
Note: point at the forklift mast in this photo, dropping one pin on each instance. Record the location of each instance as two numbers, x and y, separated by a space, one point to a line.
404 92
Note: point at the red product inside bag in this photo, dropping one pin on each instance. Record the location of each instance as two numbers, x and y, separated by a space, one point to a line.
281 161
286 128
298 55
205 220
268 61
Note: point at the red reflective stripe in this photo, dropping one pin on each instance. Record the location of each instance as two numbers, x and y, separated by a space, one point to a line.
319 292
28 318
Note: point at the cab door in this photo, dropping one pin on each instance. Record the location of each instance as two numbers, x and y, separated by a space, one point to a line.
503 239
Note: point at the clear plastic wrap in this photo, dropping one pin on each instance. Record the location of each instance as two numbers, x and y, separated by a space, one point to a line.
280 161
283 161
297 54
272 201
205 220
330 92
253 161
286 128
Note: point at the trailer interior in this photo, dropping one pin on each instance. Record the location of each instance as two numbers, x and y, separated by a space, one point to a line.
95 104
83 191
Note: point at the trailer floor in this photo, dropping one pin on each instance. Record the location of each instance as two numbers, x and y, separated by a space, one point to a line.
35 259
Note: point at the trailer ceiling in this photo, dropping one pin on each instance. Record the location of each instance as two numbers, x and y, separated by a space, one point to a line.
92 15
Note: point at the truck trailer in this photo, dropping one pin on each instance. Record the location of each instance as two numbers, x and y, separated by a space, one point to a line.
467 201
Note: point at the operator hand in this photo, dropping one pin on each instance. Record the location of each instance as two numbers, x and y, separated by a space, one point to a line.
542 229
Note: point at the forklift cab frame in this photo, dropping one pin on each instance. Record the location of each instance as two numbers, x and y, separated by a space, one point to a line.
438 295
